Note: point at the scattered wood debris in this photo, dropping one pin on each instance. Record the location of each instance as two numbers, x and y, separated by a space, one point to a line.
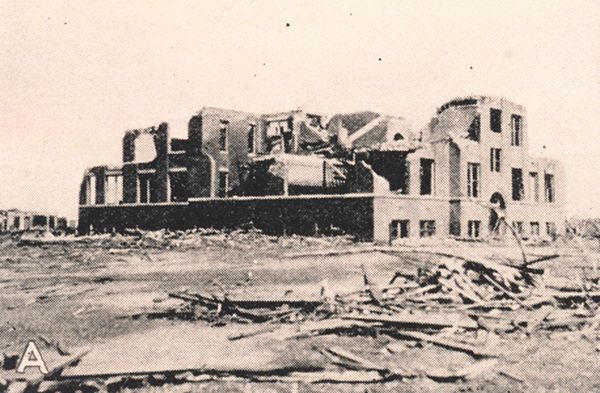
445 308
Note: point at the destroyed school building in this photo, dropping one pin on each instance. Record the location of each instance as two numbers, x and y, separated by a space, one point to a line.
365 174
14 220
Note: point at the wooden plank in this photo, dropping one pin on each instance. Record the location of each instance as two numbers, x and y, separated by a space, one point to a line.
437 321
575 295
331 252
541 259
246 302
372 289
344 376
326 326
347 356
446 343
505 291
470 371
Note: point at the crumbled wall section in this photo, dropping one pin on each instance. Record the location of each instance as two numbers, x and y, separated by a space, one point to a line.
160 179
160 164
199 164
236 154
360 179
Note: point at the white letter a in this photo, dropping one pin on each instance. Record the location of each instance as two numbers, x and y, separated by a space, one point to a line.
32 358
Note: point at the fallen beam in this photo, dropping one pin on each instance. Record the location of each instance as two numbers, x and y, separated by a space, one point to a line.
246 302
446 343
541 259
575 295
439 322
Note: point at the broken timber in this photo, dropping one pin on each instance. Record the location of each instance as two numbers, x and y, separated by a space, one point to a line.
439 322
446 343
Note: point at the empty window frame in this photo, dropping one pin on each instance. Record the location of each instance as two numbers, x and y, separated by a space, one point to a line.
27 222
427 175
223 183
516 126
534 186
144 188
426 228
551 229
399 229
518 227
517 184
474 228
178 186
535 228
495 120
91 190
549 187
473 179
495 159
223 131
399 178
114 189
251 138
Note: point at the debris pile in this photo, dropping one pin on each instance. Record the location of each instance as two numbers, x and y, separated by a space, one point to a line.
454 312
248 238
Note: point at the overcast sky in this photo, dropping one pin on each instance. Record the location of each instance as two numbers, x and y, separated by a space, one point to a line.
74 75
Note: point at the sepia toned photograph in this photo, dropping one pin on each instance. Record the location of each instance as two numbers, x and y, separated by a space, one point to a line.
263 196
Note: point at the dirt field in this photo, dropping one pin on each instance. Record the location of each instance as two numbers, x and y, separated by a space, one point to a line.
98 295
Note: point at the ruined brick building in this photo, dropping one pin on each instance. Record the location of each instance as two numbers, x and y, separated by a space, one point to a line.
362 173
15 220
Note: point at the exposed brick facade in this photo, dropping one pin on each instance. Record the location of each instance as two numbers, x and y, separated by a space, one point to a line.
442 181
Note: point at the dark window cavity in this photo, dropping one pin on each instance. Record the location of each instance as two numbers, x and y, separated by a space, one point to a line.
474 229
495 158
223 136
427 228
516 137
223 183
399 229
178 184
549 186
496 120
517 184
475 129
251 136
145 185
473 179
427 176
535 228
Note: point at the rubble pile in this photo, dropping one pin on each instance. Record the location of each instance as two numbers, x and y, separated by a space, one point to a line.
461 306
248 238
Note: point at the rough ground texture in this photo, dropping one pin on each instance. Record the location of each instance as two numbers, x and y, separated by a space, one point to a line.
86 294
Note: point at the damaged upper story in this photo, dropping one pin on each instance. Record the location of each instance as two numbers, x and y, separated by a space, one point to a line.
475 147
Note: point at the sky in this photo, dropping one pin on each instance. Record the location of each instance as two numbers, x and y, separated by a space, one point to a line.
75 75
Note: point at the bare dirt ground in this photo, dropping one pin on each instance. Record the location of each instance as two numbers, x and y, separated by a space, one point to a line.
99 294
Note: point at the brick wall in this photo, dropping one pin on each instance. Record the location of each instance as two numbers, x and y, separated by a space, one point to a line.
205 131
353 215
